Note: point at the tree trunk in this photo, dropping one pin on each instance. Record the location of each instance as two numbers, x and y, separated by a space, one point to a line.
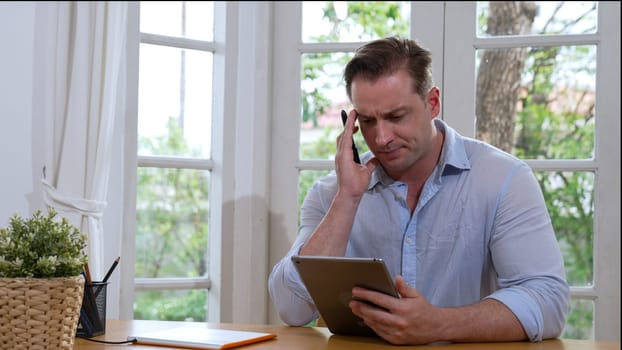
499 74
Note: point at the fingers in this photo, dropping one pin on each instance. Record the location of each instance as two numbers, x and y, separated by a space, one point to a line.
348 130
345 147
349 124
404 289
368 311
382 321
377 300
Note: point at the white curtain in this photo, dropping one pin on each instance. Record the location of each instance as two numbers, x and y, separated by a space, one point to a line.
83 89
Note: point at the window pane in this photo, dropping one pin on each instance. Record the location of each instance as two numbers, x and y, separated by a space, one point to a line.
323 97
496 18
185 19
580 320
538 103
175 102
322 88
569 198
171 222
178 305
352 21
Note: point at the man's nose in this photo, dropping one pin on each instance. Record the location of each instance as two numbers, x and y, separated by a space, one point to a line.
384 133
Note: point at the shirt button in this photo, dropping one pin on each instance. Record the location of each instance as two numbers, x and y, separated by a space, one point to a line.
408 240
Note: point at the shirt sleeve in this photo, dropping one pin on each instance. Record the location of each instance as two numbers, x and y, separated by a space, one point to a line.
290 297
287 291
527 258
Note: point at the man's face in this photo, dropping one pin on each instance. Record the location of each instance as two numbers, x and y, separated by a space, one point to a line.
396 122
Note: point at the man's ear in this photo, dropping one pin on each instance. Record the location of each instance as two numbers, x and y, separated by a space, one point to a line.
433 101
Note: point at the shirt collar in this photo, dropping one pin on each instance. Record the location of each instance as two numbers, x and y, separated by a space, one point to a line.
453 157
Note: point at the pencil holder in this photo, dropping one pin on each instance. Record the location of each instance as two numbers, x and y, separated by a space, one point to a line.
92 320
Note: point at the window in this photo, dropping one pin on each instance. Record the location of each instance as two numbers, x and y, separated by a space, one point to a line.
562 117
197 224
556 107
176 62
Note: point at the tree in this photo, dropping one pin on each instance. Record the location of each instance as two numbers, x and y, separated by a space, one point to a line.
499 74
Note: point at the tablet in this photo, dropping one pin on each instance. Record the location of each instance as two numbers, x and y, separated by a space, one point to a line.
330 280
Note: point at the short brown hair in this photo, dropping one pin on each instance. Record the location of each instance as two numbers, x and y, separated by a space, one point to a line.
385 56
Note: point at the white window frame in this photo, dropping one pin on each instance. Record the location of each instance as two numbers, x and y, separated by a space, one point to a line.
449 32
239 216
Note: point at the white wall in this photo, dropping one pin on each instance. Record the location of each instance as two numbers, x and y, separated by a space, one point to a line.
21 130
17 142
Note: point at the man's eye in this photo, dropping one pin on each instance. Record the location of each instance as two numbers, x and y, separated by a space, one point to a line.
366 121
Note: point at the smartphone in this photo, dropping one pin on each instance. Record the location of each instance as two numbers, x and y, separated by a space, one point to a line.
355 152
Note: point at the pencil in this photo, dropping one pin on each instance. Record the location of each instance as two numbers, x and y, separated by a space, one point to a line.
111 269
87 273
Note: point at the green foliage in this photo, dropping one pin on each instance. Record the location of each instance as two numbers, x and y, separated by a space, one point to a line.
579 322
172 306
171 215
324 147
41 247
366 20
314 102
172 229
171 144
569 199
543 132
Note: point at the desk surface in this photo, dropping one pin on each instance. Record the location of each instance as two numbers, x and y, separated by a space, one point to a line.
318 338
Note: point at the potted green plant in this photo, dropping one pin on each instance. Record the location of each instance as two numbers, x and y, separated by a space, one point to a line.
41 282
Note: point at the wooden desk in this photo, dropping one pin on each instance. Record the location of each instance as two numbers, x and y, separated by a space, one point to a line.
319 338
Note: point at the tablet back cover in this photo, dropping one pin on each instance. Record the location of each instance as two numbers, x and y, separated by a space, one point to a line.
330 280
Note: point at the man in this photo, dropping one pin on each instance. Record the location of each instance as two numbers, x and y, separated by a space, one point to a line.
462 226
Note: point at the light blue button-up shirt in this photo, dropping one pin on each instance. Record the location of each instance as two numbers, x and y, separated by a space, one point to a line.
480 230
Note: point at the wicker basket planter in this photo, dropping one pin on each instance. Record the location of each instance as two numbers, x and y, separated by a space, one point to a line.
39 313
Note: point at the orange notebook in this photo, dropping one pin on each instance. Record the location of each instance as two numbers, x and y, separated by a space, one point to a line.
197 337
